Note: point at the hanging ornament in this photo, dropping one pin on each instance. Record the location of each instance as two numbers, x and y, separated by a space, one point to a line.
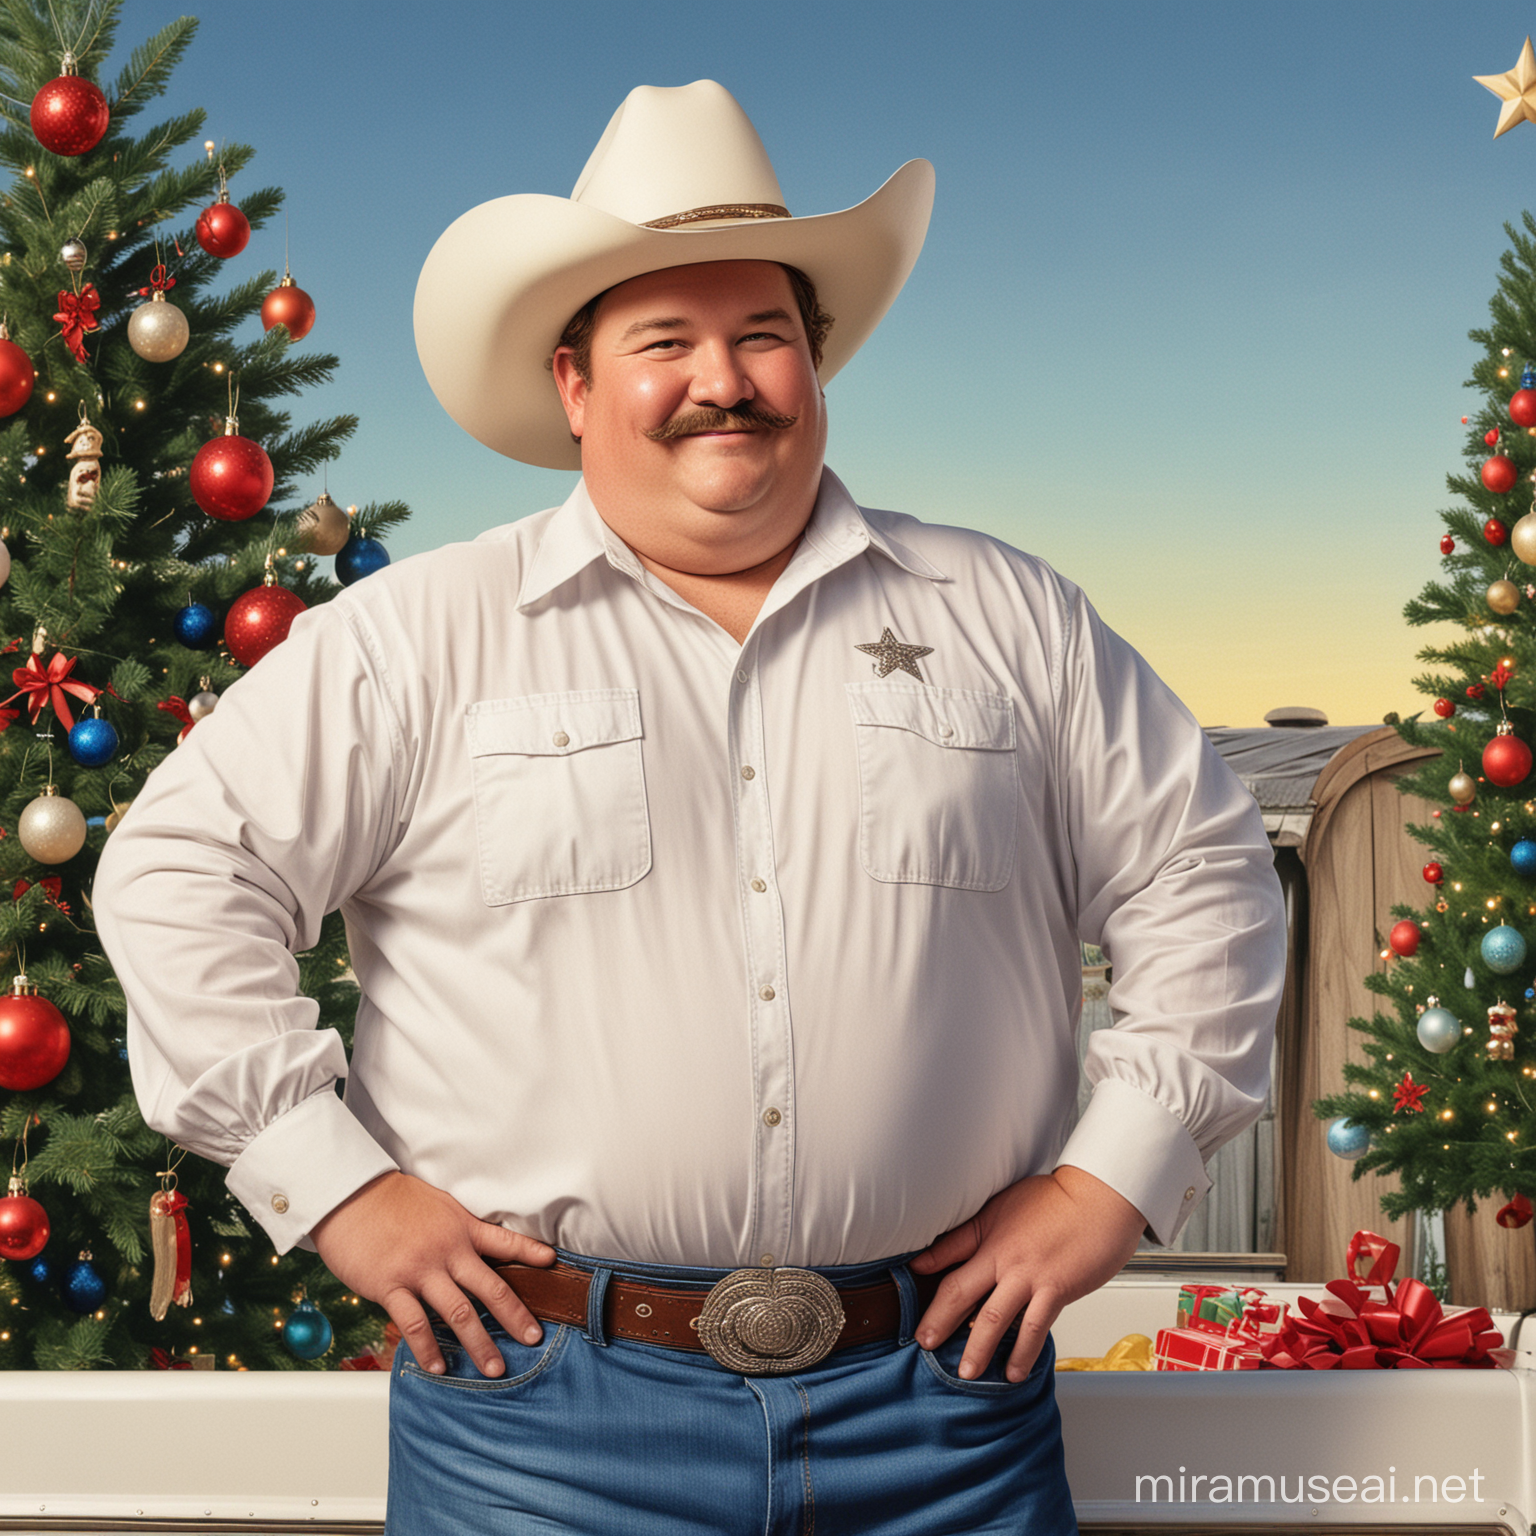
222 229
203 703
1404 938
1522 858
1438 1028
177 706
1475 690
1468 980
197 626
1503 596
1433 873
85 465
1491 437
1522 404
158 331
1462 788
1495 532
260 619
34 1039
1499 474
84 1289
1502 1030
49 686
289 306
70 115
93 741
1522 539
1408 1096
52 827
322 527
41 1271
360 556
23 1223
1503 949
17 375
1348 1140
74 256
1444 708
1516 1214
76 315
307 1332
1506 759
231 477
1447 544
170 1241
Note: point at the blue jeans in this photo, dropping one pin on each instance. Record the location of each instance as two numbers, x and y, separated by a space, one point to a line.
606 1437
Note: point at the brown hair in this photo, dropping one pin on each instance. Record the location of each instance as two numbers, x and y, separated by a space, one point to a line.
577 334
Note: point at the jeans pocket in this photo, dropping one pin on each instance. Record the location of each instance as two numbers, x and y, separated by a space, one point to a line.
559 786
522 1362
938 784
944 1362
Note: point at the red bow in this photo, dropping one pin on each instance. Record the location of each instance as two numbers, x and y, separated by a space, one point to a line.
1409 1095
49 885
158 281
1516 1214
49 685
77 315
1500 676
160 1360
176 705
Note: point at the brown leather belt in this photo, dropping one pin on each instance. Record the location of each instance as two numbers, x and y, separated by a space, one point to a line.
758 1321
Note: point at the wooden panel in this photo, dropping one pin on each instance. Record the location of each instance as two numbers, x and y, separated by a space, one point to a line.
1489 1265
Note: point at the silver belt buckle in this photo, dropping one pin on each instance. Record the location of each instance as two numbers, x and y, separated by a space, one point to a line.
769 1322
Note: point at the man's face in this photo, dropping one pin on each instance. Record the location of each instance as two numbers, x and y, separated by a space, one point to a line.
671 351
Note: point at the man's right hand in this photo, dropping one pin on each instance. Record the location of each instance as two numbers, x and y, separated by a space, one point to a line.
403 1243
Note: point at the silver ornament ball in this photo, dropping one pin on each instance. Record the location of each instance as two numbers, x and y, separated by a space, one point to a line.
323 527
158 331
72 253
5 565
203 704
52 828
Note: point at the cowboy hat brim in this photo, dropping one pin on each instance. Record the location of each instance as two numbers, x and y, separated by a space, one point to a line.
503 280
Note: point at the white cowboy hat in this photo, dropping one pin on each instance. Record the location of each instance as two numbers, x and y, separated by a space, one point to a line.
679 176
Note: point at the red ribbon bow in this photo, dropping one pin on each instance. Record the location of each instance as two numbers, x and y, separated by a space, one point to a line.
49 685
160 1360
158 281
77 315
49 885
177 706
1500 676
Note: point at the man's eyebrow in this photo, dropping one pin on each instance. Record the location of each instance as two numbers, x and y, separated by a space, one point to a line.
678 322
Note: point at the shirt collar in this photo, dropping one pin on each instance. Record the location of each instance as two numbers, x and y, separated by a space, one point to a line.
577 535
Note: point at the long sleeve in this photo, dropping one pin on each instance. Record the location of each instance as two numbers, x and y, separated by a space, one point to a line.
273 810
1176 882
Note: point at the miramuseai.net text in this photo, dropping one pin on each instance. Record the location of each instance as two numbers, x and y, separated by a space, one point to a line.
1185 1487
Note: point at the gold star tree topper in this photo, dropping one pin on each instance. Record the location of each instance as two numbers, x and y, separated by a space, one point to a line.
1516 89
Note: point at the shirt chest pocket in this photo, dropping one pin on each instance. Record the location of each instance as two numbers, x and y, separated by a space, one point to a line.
938 784
559 789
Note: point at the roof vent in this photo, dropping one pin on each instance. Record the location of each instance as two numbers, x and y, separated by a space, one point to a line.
1296 717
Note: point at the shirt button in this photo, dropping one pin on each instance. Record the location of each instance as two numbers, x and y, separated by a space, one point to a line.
741 675
280 1204
946 731
561 739
758 886
766 1261
1189 1194
766 994
749 773
771 1117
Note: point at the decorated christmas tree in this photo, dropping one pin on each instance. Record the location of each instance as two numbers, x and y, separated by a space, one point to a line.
146 563
1446 1093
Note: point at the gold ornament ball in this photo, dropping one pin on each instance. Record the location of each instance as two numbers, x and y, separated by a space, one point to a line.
323 527
1503 596
1522 539
203 704
52 828
1463 788
158 331
5 565
72 254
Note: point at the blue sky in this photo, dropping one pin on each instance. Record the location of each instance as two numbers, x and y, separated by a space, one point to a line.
1190 322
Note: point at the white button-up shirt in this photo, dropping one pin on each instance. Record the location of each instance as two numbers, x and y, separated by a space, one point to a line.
678 950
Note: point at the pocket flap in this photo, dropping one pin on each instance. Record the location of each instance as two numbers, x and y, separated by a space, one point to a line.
948 717
553 724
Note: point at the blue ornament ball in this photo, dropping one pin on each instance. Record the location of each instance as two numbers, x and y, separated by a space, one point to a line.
359 557
196 626
41 1271
307 1333
1348 1140
1523 857
1503 949
93 742
84 1289
1439 1030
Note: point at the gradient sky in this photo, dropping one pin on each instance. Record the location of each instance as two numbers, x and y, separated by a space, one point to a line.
1190 322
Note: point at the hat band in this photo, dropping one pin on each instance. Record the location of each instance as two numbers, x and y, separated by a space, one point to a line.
719 211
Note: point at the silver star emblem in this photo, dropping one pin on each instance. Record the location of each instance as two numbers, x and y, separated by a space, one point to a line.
890 654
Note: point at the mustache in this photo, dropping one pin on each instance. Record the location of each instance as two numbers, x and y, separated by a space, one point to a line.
743 418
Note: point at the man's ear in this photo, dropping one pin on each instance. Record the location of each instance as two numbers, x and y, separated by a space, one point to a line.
573 389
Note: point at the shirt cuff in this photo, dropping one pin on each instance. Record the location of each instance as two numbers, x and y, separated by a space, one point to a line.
1143 1152
303 1165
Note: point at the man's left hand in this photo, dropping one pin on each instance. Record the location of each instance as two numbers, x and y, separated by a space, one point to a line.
1031 1249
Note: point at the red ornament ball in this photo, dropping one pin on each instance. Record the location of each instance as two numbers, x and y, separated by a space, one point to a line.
1499 474
1445 708
288 305
34 1041
1506 761
222 229
231 478
260 620
1433 873
1495 531
1491 437
1522 407
70 115
17 377
1404 937
1447 545
23 1227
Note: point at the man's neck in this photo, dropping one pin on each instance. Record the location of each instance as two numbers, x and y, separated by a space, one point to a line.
732 599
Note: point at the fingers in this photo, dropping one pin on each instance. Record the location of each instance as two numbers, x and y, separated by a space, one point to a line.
992 1321
504 1304
508 1247
1034 1329
957 1297
953 1248
407 1315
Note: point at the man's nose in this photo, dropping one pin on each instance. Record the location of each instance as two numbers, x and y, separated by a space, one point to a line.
719 379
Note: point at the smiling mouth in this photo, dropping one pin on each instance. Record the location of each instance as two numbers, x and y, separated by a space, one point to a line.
712 422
